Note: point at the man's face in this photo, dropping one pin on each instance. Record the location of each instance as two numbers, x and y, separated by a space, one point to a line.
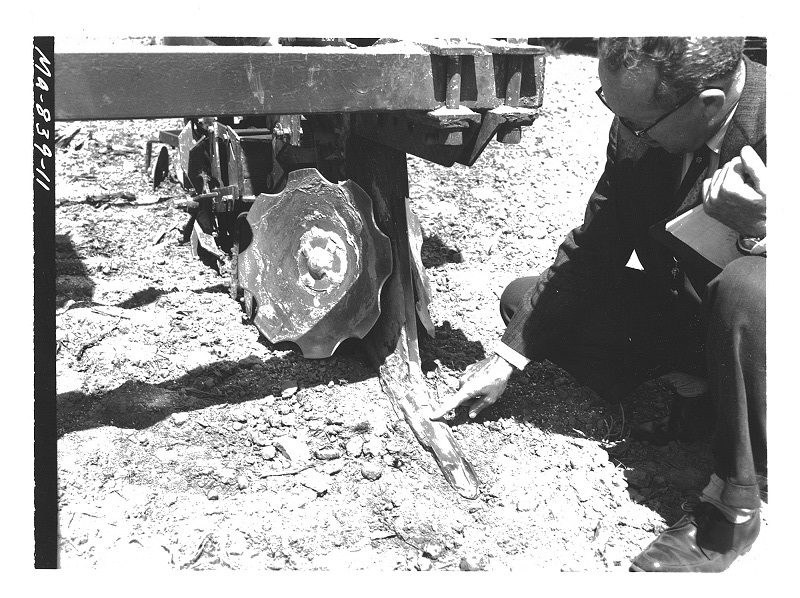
629 93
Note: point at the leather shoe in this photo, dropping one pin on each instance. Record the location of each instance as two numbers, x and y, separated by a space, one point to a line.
702 541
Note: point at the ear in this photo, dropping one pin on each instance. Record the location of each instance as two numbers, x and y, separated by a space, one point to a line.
712 101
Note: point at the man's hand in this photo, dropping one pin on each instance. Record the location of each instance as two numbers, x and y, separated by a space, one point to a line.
737 194
485 380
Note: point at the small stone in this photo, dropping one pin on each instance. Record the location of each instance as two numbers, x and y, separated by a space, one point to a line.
423 564
227 475
237 426
293 449
374 447
212 494
253 409
433 550
249 361
472 562
269 452
284 409
317 481
180 418
354 446
260 439
393 447
289 388
328 454
371 471
290 420
242 482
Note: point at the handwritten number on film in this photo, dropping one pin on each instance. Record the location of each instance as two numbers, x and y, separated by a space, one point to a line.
43 83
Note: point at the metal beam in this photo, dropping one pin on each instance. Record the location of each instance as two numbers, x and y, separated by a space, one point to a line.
187 81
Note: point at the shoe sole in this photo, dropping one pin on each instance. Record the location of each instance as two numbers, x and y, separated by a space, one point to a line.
634 568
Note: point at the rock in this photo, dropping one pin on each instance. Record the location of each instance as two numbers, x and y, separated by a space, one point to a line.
328 454
227 475
212 494
374 447
180 418
317 481
239 415
296 451
250 361
393 447
473 562
289 388
371 471
237 426
268 452
242 482
284 409
290 420
433 550
253 410
261 440
354 446
423 564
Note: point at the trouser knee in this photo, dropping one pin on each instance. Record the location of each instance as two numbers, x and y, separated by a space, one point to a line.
737 296
513 294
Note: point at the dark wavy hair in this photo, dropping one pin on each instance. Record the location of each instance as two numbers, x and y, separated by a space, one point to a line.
684 65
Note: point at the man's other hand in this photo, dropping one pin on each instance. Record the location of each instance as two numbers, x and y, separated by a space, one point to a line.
737 194
485 381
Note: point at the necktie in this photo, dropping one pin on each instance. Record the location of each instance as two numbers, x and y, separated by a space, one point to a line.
692 183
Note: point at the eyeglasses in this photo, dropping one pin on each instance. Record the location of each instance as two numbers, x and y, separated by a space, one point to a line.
641 132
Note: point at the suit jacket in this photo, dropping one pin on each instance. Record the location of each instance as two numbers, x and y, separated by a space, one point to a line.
636 191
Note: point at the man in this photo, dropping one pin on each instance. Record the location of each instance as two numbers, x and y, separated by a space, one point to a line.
689 127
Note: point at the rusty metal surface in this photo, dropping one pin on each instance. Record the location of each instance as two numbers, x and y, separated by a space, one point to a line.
314 262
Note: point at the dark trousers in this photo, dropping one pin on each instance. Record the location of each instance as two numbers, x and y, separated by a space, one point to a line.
633 334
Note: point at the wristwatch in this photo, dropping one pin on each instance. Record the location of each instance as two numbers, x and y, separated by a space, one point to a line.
752 245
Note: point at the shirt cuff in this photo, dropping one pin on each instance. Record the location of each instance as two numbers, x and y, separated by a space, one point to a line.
760 247
511 356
